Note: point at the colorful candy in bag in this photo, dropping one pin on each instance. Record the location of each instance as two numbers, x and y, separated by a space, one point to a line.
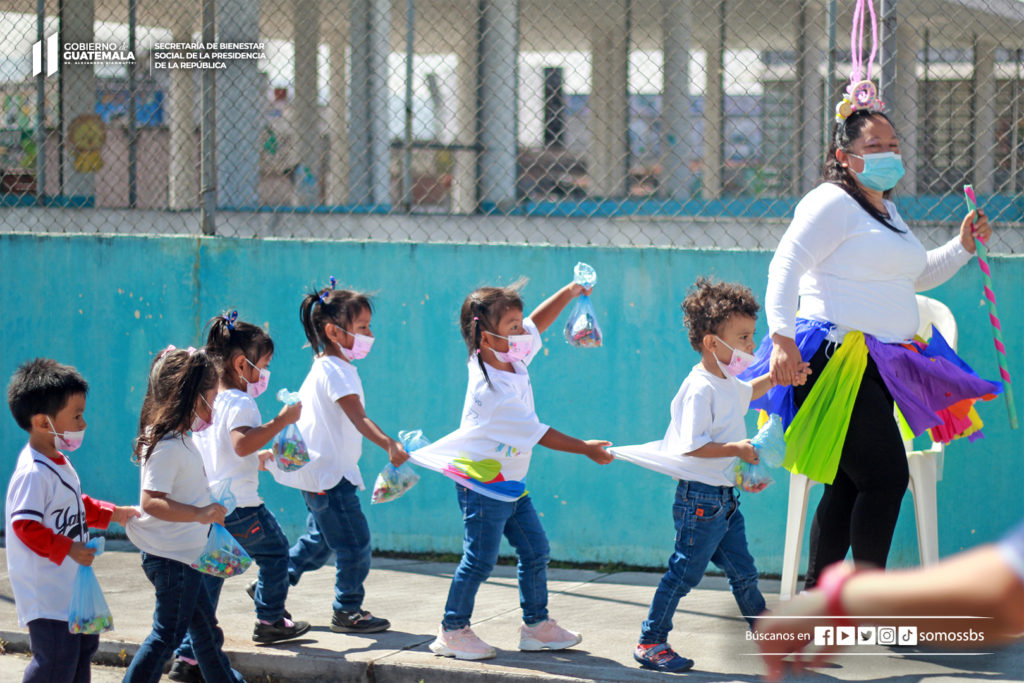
222 556
752 478
770 444
88 612
581 329
393 482
288 447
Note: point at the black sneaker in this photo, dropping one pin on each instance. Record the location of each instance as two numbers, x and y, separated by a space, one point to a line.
184 672
359 621
250 590
282 629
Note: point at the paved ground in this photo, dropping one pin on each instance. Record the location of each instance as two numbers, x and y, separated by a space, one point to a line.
606 608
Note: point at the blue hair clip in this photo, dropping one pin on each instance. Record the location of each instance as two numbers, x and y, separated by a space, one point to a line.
333 283
231 318
329 288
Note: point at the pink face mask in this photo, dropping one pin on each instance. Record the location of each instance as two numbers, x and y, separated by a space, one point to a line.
198 422
256 388
738 362
519 347
68 441
361 346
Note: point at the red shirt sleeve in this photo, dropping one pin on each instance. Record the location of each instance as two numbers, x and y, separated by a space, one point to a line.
42 540
97 512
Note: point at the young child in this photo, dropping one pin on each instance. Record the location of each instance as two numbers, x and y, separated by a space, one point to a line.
242 352
708 433
333 424
48 518
488 457
177 513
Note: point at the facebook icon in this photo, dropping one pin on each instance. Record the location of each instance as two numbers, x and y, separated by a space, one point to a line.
824 636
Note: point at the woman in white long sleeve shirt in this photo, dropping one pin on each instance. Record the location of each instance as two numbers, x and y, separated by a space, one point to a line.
850 263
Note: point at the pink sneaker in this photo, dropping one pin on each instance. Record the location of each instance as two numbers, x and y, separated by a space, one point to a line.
461 644
546 635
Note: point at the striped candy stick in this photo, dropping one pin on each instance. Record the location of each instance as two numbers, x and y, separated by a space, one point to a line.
993 315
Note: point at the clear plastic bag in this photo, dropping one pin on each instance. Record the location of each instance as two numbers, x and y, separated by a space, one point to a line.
393 482
752 478
88 612
223 556
770 444
289 449
581 329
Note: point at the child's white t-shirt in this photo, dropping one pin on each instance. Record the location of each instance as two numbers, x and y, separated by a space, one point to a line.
333 442
176 469
707 409
231 409
43 491
499 423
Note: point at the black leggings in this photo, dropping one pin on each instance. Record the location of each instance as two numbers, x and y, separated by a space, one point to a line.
859 509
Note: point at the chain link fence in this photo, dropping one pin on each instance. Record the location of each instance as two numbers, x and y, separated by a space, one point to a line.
621 122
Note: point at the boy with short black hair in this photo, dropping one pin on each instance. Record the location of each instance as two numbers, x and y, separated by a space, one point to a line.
48 518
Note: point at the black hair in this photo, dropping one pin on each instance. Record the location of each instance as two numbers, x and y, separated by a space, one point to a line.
845 133
709 304
338 306
177 378
42 386
230 337
482 311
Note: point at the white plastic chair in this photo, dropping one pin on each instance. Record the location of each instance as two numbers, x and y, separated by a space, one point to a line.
925 473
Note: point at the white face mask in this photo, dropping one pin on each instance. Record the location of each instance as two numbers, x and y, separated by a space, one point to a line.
68 441
256 388
738 361
519 347
361 345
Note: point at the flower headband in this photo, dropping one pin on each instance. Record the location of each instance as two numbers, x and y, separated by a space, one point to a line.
861 93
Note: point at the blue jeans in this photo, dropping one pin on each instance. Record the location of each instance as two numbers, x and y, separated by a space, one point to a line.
335 524
486 520
709 528
57 655
257 531
182 604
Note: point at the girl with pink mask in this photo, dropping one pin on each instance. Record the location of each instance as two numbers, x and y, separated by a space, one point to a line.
333 424
488 458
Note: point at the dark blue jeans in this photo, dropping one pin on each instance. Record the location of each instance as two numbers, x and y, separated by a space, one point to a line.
335 524
182 604
709 528
257 531
486 520
57 655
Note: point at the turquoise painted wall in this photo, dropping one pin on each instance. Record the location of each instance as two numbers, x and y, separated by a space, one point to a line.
106 305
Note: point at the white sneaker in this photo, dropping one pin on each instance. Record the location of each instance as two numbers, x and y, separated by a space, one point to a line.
461 644
547 635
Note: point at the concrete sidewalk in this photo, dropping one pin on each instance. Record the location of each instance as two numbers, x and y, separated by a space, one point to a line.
606 608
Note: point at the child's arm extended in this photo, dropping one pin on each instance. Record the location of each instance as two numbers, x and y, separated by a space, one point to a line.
157 504
99 513
548 311
357 414
739 449
593 449
248 440
762 384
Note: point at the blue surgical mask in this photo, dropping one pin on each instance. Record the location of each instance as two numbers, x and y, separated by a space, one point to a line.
881 171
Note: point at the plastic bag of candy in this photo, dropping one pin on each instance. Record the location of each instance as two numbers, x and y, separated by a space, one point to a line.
752 478
289 449
222 556
581 329
393 482
88 612
770 442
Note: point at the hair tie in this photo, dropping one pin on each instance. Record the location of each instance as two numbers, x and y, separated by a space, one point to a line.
231 318
333 283
322 296
476 318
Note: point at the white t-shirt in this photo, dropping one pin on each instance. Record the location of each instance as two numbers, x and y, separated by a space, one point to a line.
333 442
844 267
499 423
176 469
49 493
706 409
231 409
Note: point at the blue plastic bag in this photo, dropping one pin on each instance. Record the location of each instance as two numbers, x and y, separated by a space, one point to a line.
222 556
393 482
770 444
88 612
581 329
290 452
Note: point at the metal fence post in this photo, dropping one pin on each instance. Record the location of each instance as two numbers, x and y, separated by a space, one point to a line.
208 131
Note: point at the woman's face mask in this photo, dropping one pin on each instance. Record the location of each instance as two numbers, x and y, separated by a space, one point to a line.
881 171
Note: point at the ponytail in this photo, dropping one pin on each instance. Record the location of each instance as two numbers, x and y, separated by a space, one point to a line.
482 311
330 305
228 337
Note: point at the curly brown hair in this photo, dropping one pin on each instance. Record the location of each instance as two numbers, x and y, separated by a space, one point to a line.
709 304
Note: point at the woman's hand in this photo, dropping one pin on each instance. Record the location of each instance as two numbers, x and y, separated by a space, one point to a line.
785 367
974 226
